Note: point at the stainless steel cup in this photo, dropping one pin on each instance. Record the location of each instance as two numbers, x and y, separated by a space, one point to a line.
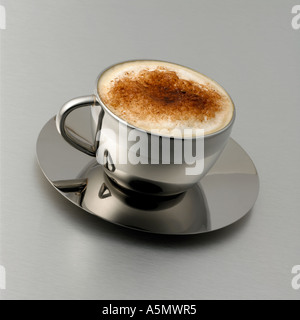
149 178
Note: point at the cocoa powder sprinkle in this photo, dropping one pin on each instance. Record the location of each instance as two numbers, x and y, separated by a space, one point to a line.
161 95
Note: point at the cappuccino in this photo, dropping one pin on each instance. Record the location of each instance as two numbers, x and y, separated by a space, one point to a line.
165 98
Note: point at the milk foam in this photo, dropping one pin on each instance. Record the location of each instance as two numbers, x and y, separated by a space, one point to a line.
167 127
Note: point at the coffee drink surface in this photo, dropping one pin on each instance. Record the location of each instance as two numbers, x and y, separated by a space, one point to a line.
165 98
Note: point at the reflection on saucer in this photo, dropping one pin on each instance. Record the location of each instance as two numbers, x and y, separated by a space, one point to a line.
223 196
96 192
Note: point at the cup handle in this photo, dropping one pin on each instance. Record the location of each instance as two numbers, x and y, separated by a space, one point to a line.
68 135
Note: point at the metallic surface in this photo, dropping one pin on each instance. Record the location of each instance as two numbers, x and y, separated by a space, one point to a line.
158 179
51 51
224 196
71 137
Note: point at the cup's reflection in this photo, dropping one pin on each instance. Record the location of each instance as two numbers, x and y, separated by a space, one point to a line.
94 191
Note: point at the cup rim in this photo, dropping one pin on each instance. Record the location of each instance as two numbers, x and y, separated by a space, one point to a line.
206 136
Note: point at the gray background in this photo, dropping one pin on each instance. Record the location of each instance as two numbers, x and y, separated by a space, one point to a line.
52 51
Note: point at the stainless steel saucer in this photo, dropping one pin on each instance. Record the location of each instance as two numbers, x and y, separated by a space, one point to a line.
225 195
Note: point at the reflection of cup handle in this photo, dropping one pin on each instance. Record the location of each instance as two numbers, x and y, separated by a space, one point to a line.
68 135
76 185
108 162
104 192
